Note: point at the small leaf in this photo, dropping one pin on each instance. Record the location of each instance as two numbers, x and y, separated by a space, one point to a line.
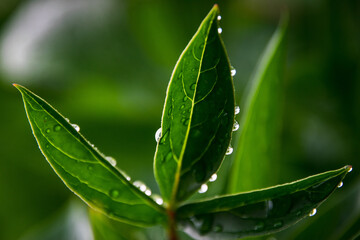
84 169
257 149
258 212
198 115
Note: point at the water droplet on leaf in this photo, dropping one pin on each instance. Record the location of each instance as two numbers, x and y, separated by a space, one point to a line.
313 212
148 192
218 17
340 184
114 193
203 188
76 127
237 110
229 150
158 199
111 160
235 126
140 185
57 128
158 135
233 71
219 30
213 178
142 188
350 169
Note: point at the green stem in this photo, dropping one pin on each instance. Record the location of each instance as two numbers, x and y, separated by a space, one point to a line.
172 225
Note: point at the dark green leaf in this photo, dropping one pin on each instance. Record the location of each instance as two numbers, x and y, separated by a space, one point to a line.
257 148
85 170
198 115
258 212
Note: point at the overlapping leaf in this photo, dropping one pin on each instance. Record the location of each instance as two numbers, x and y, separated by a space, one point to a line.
198 115
258 212
257 149
84 169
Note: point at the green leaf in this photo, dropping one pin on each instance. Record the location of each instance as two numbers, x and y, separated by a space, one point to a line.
257 148
85 170
258 212
198 115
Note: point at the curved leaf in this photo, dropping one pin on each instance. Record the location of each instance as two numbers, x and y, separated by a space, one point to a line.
198 115
258 212
257 148
84 169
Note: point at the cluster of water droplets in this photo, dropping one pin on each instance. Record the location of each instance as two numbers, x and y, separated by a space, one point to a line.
142 187
204 187
219 29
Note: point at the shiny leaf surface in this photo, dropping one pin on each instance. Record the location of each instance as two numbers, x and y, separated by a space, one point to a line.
258 212
257 149
198 115
87 172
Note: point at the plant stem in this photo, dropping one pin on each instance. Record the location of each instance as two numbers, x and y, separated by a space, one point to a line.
172 225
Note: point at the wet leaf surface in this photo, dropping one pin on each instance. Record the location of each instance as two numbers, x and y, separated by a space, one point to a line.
86 171
198 115
258 212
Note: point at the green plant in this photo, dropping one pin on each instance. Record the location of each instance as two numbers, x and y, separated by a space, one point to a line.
196 130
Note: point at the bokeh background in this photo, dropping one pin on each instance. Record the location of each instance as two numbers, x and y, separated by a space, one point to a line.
105 65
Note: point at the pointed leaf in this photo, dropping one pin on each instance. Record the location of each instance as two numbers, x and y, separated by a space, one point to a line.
257 148
84 169
198 115
258 212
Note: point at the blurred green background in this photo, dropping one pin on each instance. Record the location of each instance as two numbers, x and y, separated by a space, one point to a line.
105 65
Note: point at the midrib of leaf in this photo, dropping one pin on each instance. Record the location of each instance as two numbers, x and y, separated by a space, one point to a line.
98 156
179 163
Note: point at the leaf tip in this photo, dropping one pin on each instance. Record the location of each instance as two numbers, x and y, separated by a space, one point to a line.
348 168
18 87
216 8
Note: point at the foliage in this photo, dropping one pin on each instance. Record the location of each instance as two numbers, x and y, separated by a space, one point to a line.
197 124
